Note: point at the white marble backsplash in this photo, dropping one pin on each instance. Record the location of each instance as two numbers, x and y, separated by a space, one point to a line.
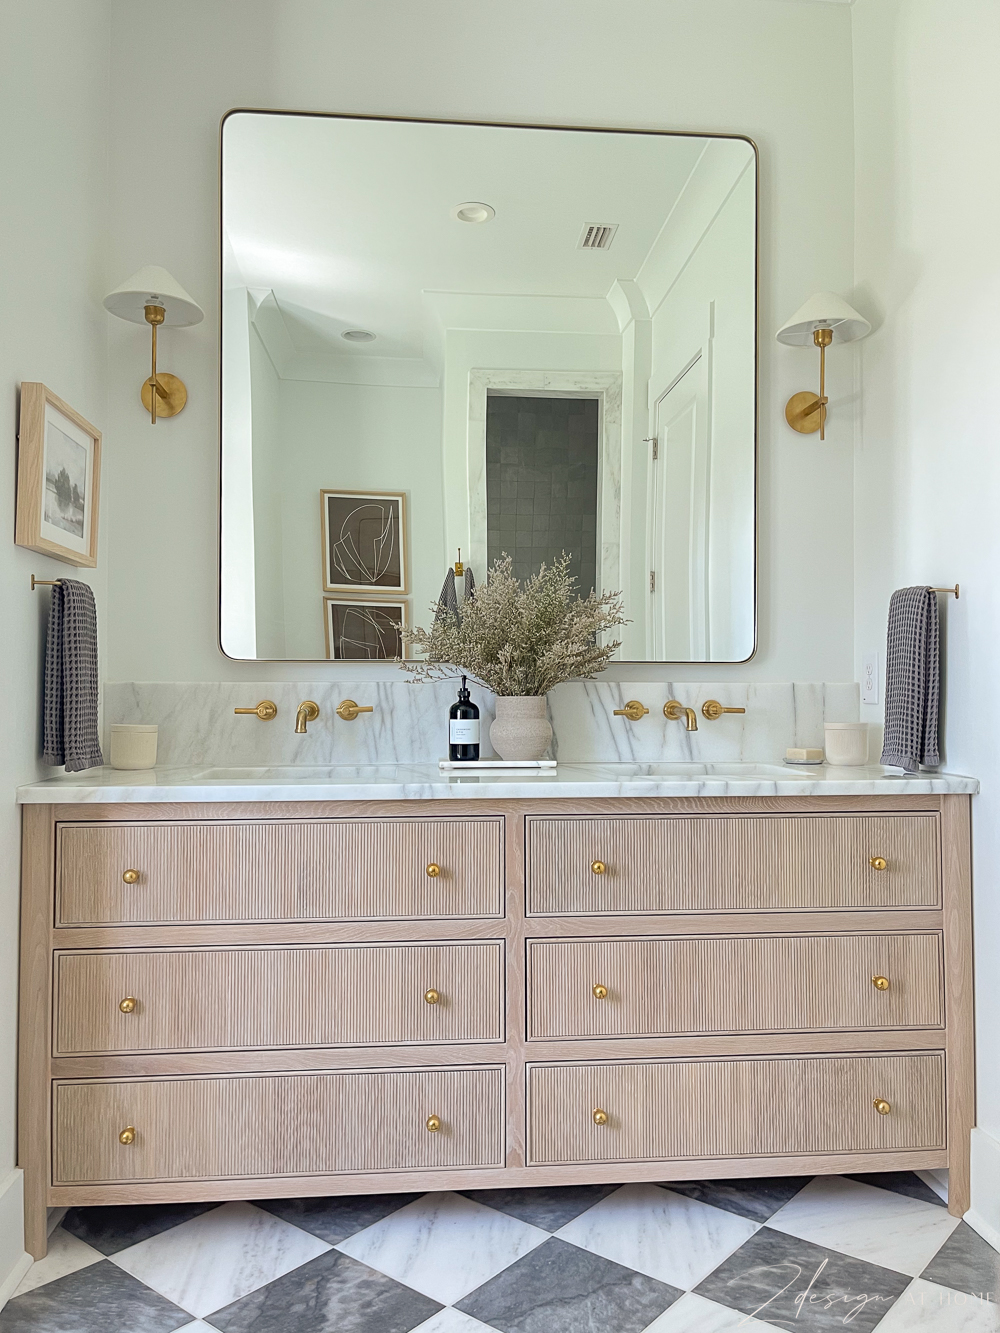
410 721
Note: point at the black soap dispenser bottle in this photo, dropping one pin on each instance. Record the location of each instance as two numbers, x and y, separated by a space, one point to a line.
463 728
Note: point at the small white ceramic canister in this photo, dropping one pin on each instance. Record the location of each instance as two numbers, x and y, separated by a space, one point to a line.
846 744
133 745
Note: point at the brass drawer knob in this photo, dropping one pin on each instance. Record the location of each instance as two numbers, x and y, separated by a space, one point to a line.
433 1124
598 867
433 870
600 992
880 983
600 1117
127 1136
131 877
127 1006
878 863
881 1106
432 996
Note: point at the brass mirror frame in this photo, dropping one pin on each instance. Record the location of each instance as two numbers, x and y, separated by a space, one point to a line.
515 125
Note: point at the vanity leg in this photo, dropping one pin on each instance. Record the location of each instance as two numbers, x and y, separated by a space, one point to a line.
956 862
37 883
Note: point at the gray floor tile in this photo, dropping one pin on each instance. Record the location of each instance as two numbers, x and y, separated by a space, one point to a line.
758 1198
559 1288
112 1229
331 1294
966 1263
793 1283
549 1208
98 1299
334 1219
901 1182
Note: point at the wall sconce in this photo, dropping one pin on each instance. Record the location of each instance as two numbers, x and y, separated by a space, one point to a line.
153 297
824 319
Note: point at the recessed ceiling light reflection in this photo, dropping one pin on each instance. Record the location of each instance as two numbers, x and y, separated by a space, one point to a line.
473 212
358 336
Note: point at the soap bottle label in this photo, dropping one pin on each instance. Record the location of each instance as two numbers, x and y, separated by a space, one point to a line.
464 731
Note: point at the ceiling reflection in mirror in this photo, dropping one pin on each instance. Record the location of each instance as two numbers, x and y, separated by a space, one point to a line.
500 340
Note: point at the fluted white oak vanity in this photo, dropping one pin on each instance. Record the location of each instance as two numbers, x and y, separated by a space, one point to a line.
385 980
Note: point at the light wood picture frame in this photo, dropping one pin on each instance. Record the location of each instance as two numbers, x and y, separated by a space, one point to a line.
364 542
363 629
58 479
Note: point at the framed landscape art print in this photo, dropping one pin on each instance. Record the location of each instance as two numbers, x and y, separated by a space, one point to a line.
364 541
58 479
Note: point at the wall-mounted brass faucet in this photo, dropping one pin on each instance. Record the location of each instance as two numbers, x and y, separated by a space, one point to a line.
633 710
265 710
307 712
674 711
712 710
348 710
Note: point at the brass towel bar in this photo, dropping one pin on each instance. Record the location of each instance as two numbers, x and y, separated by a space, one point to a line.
49 583
951 591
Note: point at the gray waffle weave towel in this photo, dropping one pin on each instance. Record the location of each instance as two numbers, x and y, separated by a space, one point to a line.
448 600
912 680
72 683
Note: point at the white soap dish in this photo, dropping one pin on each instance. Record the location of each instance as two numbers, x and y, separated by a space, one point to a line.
472 765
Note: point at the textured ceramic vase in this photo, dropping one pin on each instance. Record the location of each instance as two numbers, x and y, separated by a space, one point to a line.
521 729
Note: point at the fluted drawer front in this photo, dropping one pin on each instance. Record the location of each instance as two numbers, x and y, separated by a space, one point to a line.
703 863
316 870
275 1125
663 987
223 999
734 1108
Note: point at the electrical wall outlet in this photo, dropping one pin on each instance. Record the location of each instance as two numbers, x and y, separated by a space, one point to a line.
869 679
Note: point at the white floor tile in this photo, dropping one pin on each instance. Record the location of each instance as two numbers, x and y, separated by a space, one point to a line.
659 1233
924 1307
693 1314
889 1229
444 1245
215 1258
450 1321
66 1254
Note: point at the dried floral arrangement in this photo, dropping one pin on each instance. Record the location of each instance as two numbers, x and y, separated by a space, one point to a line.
520 640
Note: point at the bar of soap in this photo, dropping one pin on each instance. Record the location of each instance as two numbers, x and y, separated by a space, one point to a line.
800 756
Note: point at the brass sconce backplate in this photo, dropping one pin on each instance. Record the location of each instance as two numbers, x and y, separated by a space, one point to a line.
802 412
172 398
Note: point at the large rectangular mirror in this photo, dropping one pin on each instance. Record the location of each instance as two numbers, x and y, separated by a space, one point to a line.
499 339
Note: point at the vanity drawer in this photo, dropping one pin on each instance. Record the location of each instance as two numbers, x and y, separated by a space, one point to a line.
730 863
777 1106
730 984
314 870
242 998
275 1125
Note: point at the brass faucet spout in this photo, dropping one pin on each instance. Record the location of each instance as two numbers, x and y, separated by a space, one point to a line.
674 711
691 719
307 712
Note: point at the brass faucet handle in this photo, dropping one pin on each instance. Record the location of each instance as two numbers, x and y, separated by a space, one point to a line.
712 710
633 710
673 710
265 710
348 710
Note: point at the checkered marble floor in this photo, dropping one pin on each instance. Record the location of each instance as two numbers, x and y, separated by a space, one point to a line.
822 1253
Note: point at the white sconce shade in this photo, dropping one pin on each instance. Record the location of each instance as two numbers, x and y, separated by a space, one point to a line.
825 310
153 297
824 319
153 285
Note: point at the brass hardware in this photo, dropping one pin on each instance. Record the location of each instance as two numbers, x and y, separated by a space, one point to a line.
348 710
674 711
265 710
433 1124
881 1106
806 412
433 870
170 394
131 877
633 710
600 992
127 1006
598 867
307 712
432 996
880 983
600 1117
712 710
49 583
459 567
952 592
127 1136
878 863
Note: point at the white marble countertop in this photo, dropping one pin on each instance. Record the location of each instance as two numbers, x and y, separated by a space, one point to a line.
400 782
